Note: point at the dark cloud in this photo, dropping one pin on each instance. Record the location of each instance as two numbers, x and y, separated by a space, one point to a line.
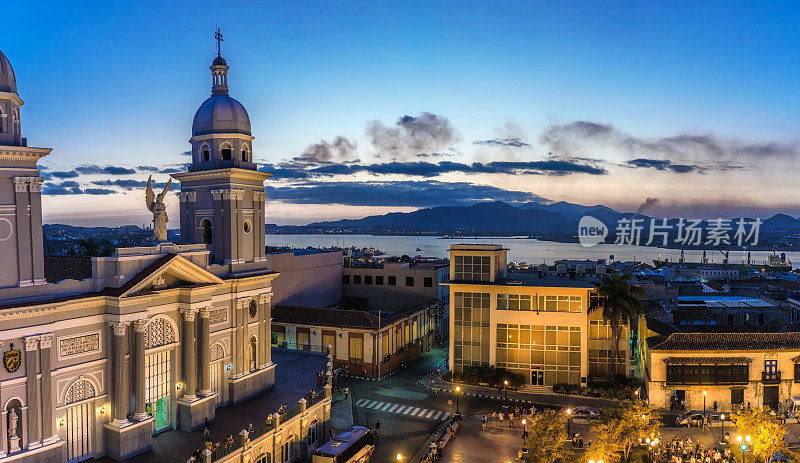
411 135
290 173
127 184
111 170
340 149
61 174
507 142
406 193
430 169
72 188
649 205
147 168
580 137
186 153
663 164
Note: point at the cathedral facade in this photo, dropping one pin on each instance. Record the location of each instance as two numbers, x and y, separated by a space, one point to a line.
158 337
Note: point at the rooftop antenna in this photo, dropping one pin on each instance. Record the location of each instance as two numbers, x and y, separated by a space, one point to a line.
218 37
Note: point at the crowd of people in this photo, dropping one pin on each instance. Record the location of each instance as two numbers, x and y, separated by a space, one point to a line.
685 450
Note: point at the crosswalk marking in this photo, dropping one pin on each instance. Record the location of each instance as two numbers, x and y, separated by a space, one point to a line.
410 410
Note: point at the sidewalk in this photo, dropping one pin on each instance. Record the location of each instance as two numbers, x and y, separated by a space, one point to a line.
493 446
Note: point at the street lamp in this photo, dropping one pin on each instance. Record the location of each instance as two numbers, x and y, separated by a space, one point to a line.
458 389
569 422
722 433
704 402
505 389
399 456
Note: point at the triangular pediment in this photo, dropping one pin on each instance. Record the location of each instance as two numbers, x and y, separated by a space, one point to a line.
171 271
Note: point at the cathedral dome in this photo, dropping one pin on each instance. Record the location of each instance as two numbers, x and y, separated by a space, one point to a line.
8 82
221 114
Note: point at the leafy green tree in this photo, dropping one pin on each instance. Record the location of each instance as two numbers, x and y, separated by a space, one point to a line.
766 434
619 430
546 438
618 300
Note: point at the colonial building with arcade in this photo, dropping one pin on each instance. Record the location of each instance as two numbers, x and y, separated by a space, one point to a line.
150 338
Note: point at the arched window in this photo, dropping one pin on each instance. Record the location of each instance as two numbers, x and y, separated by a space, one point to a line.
80 390
158 333
245 152
208 235
15 120
227 151
3 121
205 153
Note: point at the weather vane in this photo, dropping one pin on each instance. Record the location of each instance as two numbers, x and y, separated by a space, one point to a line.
218 37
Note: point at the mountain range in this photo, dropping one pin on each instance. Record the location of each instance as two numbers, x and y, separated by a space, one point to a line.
532 218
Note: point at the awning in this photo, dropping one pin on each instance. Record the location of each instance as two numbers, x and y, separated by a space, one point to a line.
707 360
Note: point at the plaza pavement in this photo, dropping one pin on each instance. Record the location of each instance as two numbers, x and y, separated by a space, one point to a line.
295 374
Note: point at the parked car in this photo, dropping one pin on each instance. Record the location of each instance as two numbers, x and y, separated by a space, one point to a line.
694 418
585 412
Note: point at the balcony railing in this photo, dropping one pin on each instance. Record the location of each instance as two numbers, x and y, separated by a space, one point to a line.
770 377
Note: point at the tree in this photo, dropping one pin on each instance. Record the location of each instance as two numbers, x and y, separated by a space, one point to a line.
618 300
619 430
765 431
546 438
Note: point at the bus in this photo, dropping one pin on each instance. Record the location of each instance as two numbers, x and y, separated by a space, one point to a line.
352 446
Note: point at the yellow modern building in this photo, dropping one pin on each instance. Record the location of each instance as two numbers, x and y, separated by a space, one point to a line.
536 324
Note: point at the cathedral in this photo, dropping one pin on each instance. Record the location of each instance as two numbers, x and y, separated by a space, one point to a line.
157 337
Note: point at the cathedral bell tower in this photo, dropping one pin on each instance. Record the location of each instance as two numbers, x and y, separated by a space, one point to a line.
222 195
20 192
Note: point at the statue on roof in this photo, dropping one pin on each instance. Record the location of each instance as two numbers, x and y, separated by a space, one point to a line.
155 204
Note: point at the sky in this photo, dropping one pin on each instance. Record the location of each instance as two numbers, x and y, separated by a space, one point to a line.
679 109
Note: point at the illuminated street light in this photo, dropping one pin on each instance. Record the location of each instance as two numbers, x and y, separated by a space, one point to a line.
399 457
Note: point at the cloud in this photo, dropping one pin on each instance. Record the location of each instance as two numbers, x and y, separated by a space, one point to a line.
399 194
111 170
508 142
580 137
61 174
663 164
412 135
648 205
428 169
341 149
72 188
127 184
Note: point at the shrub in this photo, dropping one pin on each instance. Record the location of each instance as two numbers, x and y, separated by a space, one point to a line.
620 387
490 375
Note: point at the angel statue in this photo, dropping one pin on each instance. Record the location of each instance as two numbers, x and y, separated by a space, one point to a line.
156 205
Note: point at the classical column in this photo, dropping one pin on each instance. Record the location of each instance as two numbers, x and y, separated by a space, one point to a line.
218 234
191 219
238 220
119 329
261 234
47 393
238 337
140 402
229 227
23 228
205 351
189 348
34 437
266 331
37 255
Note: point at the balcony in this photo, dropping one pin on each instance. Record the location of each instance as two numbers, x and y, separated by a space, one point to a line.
771 377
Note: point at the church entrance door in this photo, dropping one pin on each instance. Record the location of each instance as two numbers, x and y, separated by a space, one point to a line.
158 386
79 431
216 383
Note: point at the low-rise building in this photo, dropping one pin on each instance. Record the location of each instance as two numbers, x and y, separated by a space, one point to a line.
535 324
729 369
371 342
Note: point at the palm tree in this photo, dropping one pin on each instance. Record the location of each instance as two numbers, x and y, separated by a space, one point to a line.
618 300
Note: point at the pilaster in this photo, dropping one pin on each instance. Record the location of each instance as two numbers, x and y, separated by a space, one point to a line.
205 352
34 437
120 330
48 404
23 230
140 405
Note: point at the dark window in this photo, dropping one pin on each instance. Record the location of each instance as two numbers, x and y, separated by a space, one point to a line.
206 155
409 281
226 154
731 319
797 372
346 279
208 233
428 282
392 281
356 279
737 396
367 279
244 155
761 319
379 280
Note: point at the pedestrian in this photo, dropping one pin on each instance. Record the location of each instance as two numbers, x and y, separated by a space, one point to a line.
483 422
377 428
494 418
714 406
511 418
524 433
500 418
206 430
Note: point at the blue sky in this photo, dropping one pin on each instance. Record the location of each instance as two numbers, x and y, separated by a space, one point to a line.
117 84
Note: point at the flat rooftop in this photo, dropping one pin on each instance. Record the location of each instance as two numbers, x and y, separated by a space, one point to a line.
550 280
724 301
477 247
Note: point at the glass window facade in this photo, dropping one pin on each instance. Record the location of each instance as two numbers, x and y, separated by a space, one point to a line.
555 350
599 329
471 329
572 304
472 268
707 374
600 361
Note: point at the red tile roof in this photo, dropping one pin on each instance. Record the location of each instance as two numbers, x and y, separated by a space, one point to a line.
724 341
59 268
324 317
